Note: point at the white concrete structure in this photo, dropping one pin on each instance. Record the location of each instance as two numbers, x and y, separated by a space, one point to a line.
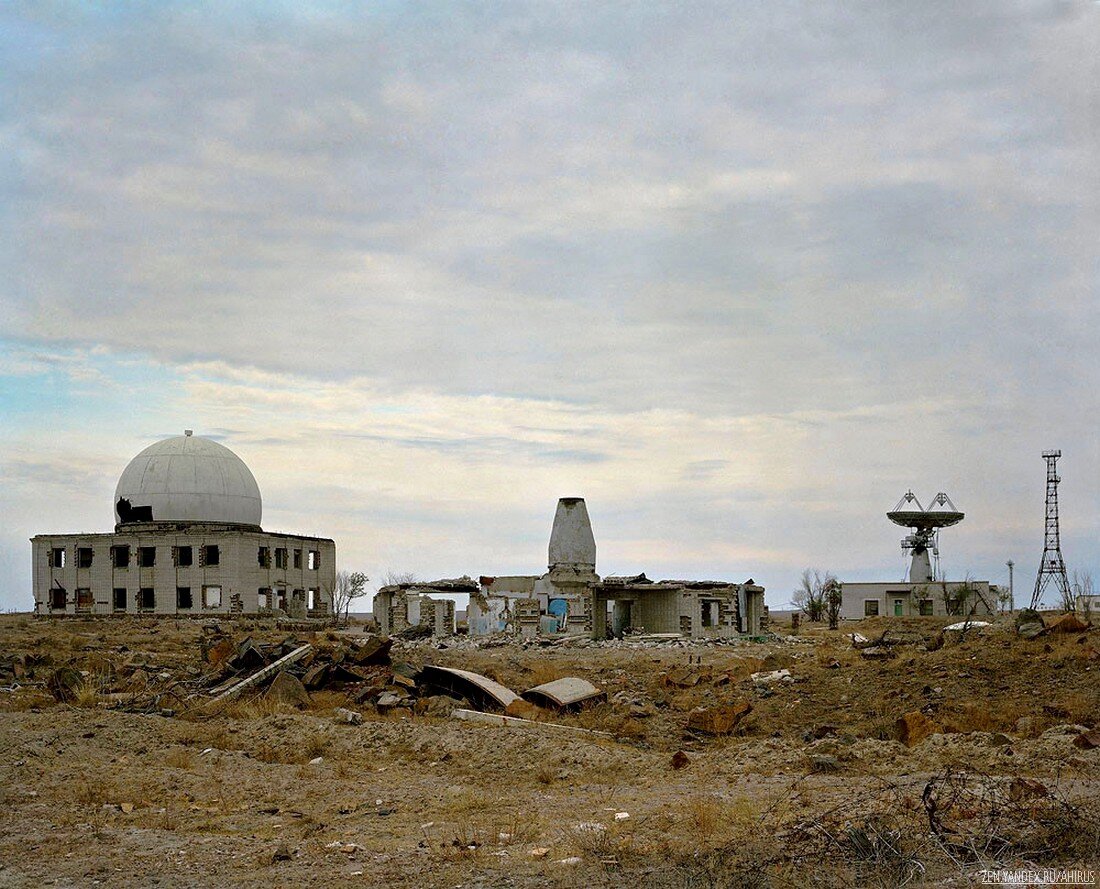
189 479
569 597
905 599
188 542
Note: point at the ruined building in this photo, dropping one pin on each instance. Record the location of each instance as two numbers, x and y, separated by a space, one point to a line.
187 542
399 607
571 598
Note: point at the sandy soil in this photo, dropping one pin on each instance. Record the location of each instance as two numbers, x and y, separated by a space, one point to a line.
96 796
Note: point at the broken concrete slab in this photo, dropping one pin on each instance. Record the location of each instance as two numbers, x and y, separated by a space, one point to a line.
565 693
479 690
288 689
718 720
265 673
1067 623
514 722
770 677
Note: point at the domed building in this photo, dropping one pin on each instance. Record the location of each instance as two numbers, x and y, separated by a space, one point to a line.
187 542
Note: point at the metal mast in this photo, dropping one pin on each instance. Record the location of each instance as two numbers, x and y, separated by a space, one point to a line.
1052 565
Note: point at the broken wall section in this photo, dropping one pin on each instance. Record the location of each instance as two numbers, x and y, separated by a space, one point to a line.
399 608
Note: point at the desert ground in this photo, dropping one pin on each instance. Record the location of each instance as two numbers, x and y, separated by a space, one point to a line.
939 756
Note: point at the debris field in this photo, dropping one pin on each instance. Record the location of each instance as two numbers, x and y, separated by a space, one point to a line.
887 752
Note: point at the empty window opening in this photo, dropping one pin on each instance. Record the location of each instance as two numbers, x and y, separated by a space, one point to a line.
870 607
263 556
183 598
298 595
83 599
119 598
57 557
211 597
311 598
710 613
282 599
183 556
147 601
211 555
297 558
926 607
57 597
280 558
263 598
314 560
84 556
120 556
147 556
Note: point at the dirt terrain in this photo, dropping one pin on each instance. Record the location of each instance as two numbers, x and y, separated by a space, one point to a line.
138 778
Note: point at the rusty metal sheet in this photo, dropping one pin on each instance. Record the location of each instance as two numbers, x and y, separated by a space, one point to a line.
477 689
568 691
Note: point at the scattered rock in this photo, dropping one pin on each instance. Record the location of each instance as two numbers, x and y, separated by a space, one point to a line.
438 705
680 760
718 720
914 727
767 678
999 739
1088 740
344 716
876 653
823 763
317 760
1029 624
540 852
288 689
523 709
281 853
1067 623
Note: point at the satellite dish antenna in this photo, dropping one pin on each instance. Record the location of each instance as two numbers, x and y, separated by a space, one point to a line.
926 525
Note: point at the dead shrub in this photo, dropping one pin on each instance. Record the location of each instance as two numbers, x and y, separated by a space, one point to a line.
180 758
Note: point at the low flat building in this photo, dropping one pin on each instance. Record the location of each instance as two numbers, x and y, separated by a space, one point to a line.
187 543
934 598
698 609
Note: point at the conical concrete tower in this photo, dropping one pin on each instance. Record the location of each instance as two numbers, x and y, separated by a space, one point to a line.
572 545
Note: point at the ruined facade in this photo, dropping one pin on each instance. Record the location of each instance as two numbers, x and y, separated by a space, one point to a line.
398 607
187 542
558 601
933 598
699 609
571 598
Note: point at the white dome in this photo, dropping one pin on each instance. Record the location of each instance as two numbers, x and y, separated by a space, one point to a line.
188 479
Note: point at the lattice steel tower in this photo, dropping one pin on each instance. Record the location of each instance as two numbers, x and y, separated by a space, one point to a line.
1052 566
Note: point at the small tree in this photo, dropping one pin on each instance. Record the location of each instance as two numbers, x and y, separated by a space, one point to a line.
1082 591
833 600
395 578
811 593
349 585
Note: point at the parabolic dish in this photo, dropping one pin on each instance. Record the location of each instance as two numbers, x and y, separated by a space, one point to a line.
919 518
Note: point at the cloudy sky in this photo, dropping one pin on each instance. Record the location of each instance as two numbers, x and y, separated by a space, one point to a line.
739 274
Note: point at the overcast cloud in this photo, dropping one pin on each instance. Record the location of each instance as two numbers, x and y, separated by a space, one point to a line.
740 274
